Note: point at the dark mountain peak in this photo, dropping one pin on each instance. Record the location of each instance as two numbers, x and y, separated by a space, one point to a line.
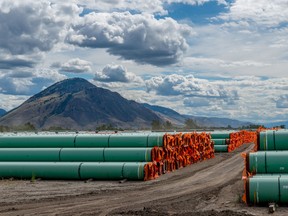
67 86
78 104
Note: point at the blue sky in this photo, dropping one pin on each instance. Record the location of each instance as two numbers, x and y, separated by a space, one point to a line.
199 57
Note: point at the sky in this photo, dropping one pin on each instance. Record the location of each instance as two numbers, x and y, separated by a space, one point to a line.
220 58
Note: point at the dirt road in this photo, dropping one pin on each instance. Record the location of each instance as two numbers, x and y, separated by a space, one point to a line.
211 187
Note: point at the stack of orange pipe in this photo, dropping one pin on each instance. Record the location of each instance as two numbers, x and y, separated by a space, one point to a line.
241 137
180 150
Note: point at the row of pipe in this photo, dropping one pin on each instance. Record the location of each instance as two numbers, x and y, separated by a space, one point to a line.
266 169
82 140
78 154
161 152
180 150
239 138
227 141
272 140
263 162
262 189
77 170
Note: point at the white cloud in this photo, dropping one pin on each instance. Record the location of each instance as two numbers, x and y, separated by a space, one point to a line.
116 73
10 62
282 102
197 102
195 2
12 85
10 101
140 6
225 50
23 32
19 82
247 98
75 65
263 12
138 37
189 86
148 6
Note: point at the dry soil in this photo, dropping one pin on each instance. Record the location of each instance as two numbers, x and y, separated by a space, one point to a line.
208 188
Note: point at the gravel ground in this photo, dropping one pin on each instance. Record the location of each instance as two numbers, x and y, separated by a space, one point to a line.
212 187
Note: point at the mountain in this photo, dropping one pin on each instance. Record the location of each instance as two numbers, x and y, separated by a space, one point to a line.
167 114
78 104
218 122
274 124
2 112
179 119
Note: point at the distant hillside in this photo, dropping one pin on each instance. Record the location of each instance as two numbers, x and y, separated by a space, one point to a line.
2 112
274 124
167 114
78 104
218 122
179 119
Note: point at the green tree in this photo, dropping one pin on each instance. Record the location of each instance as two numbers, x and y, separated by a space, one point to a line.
156 125
26 127
168 125
4 128
190 124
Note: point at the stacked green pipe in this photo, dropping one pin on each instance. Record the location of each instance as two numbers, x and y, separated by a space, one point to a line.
120 155
77 156
269 169
221 140
221 145
73 170
220 134
82 140
272 140
262 189
262 162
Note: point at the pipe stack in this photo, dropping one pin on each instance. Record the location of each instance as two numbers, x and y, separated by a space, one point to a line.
227 141
266 171
136 156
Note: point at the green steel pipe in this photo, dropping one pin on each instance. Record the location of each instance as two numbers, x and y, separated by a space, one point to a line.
127 154
262 190
221 141
267 162
221 148
44 170
82 140
136 140
92 141
29 154
119 140
220 134
73 170
155 139
267 189
81 154
112 170
37 141
76 154
106 154
273 140
134 171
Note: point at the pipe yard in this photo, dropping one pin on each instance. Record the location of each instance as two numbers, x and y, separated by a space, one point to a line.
144 173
